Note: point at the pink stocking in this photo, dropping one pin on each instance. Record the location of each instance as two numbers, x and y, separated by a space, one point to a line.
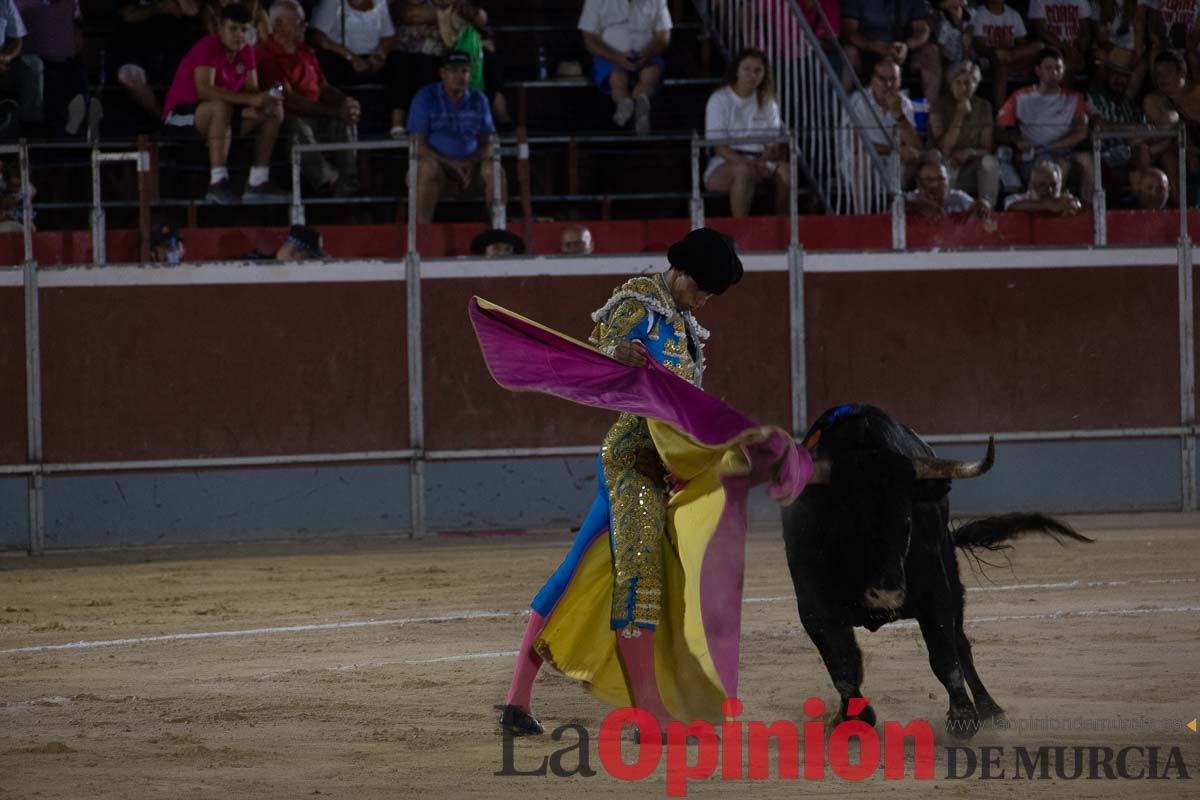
637 653
527 666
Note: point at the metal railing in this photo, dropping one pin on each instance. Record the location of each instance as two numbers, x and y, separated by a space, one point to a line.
141 157
852 176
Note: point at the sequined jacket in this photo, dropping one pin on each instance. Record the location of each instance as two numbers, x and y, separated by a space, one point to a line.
642 309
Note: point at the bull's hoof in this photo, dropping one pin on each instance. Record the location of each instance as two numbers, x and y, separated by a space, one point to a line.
992 715
962 723
866 714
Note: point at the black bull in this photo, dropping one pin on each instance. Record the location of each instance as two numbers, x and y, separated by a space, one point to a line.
869 542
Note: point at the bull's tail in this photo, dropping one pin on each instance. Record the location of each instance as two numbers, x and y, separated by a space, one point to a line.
994 533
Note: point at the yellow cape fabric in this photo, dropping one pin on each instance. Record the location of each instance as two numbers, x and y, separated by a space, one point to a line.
688 680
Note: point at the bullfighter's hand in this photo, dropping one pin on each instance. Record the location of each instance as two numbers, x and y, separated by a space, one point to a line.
631 354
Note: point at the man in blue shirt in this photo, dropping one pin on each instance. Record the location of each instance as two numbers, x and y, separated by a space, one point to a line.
453 128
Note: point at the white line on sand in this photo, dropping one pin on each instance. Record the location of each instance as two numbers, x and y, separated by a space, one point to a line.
467 615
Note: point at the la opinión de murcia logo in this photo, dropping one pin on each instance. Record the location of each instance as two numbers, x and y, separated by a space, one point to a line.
737 750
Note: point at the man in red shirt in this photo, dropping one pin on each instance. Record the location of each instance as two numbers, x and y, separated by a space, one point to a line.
316 110
216 75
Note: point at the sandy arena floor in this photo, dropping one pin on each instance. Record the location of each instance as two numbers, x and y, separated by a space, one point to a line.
1089 645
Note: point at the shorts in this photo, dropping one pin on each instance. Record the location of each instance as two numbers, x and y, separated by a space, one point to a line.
183 118
602 68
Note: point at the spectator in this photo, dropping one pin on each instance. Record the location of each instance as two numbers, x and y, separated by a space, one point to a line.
1177 99
425 30
302 244
933 198
1148 190
882 97
627 39
354 41
53 26
963 128
1051 122
1171 25
952 31
1066 26
166 246
260 25
744 107
1045 194
1001 44
1109 107
1116 28
316 111
900 29
16 76
454 133
216 75
497 243
576 241
12 198
151 39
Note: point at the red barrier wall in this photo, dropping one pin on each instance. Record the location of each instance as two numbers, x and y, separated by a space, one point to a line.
13 433
632 236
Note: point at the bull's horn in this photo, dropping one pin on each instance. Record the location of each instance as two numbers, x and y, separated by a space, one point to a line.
933 469
822 472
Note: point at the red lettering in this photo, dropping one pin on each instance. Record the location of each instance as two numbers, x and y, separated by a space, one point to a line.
678 768
649 747
894 735
787 749
731 740
814 741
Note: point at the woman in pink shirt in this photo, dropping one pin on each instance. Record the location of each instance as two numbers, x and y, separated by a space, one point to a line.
218 73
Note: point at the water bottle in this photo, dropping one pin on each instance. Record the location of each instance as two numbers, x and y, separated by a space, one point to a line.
543 65
276 91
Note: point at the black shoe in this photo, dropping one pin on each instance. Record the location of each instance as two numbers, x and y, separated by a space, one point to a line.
520 723
221 194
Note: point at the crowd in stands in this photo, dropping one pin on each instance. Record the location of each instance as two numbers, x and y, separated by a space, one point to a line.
1013 90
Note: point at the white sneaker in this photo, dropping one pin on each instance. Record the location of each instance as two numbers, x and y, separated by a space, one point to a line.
641 120
624 112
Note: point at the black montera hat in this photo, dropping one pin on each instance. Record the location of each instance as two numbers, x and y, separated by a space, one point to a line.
709 257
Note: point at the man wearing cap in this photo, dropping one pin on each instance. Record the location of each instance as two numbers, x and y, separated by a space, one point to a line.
649 316
454 131
1110 109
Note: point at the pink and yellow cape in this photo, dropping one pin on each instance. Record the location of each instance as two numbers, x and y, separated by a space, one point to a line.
715 453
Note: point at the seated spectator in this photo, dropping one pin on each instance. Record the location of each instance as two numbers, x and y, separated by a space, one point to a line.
899 29
315 110
354 40
454 134
933 198
1171 25
425 30
576 241
151 39
260 26
1116 27
952 31
1046 121
1148 190
53 27
1067 26
745 106
12 198
963 128
166 246
497 243
627 39
1045 194
302 244
216 75
18 79
881 100
1110 109
1176 99
1001 44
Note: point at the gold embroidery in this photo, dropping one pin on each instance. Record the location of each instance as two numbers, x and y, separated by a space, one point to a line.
618 324
637 517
